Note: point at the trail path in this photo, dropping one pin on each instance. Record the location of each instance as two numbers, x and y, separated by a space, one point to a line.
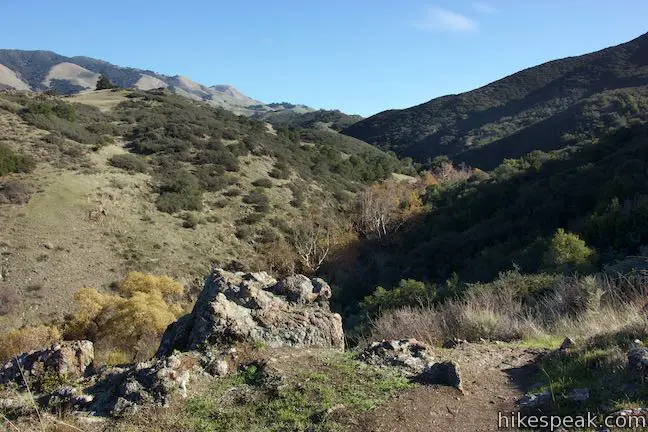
494 377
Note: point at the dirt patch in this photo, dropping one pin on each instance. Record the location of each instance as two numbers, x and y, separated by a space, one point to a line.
494 378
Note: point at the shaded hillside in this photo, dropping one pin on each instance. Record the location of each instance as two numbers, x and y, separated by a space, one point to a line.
476 228
529 110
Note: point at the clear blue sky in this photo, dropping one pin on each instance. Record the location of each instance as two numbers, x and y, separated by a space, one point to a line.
361 56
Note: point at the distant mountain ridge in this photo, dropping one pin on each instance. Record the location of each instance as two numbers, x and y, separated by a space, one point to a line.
45 70
530 110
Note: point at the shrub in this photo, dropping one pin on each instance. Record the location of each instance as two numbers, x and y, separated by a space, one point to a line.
280 171
190 220
244 232
11 162
179 191
409 292
131 321
262 183
212 177
129 162
568 253
267 235
252 218
258 199
173 202
232 192
27 339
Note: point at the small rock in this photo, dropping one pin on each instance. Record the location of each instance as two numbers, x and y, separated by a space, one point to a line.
534 400
454 343
221 368
638 360
48 245
443 373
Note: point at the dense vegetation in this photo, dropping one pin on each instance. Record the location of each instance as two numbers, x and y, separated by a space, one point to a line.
530 110
574 210
334 119
199 145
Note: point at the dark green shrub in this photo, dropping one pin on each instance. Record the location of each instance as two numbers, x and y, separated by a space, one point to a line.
263 183
129 162
258 199
409 292
244 232
267 235
280 171
12 162
173 202
190 220
232 192
179 191
212 177
252 218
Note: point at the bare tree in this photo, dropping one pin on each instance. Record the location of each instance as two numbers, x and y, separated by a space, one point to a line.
383 208
314 238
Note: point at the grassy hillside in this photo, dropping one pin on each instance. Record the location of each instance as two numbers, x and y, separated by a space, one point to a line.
530 110
107 182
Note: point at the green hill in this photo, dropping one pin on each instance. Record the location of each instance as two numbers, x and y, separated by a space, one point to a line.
535 109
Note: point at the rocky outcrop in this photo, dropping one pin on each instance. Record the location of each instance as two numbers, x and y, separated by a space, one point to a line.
69 360
414 359
118 391
408 354
254 307
233 307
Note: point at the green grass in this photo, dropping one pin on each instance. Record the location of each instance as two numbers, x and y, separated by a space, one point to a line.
600 364
251 400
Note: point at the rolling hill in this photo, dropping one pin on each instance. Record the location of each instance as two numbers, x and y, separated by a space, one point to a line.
102 182
46 70
540 108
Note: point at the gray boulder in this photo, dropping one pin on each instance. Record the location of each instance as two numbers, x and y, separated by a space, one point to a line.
638 360
70 360
254 307
408 354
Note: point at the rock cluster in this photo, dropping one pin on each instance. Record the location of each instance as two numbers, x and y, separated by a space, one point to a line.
69 360
254 307
415 360
232 308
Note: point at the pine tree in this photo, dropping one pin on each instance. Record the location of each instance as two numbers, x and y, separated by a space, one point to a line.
104 83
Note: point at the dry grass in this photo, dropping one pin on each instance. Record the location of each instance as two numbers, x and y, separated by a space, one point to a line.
576 307
132 236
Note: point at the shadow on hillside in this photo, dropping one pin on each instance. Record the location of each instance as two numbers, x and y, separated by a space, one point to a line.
487 227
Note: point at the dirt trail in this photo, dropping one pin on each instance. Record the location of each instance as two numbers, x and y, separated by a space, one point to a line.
494 377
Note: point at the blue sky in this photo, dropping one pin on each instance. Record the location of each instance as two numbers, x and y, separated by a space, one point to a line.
360 56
